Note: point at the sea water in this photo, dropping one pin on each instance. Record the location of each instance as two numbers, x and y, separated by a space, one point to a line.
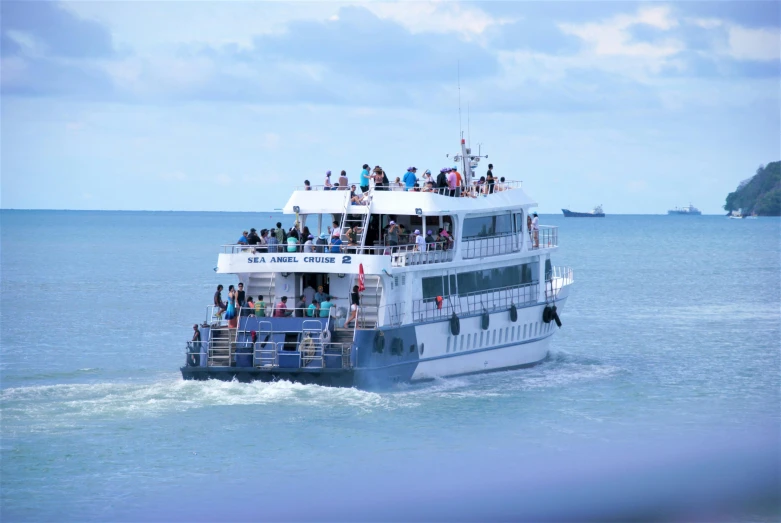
671 331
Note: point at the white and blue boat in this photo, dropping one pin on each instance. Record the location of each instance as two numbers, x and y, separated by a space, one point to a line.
486 299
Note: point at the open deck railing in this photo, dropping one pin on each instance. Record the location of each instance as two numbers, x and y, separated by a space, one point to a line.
426 310
560 278
546 237
480 247
444 191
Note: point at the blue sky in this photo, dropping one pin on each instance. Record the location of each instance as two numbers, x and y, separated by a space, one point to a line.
227 106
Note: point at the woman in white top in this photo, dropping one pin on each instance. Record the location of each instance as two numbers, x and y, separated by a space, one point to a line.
327 183
420 242
397 185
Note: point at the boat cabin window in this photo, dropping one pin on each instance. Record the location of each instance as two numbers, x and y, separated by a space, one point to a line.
379 224
485 226
477 281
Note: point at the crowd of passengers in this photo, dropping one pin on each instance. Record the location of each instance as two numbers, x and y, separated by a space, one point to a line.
312 304
449 182
298 239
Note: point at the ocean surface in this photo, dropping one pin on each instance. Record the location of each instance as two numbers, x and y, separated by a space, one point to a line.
671 336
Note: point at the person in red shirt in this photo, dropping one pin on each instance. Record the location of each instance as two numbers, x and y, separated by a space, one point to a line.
280 309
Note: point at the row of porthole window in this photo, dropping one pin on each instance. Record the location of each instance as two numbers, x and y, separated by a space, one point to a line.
496 336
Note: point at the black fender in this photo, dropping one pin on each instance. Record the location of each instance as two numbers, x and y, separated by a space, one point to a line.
485 321
513 313
379 342
547 315
555 316
455 325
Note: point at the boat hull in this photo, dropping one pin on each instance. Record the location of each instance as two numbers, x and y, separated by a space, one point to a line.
684 213
573 214
419 352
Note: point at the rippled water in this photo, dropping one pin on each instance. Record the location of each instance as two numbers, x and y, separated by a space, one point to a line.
673 327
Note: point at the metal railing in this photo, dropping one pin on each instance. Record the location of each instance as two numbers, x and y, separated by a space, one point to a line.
546 237
444 191
426 310
560 278
479 247
406 255
313 353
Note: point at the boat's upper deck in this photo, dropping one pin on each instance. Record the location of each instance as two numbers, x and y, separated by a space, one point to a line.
439 201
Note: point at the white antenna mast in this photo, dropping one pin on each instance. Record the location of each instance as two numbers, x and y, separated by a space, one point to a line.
460 127
468 131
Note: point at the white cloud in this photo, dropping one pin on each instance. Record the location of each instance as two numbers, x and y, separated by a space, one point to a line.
223 179
436 17
612 37
754 44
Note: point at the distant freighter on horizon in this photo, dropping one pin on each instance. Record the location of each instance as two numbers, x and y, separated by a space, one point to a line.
691 210
596 213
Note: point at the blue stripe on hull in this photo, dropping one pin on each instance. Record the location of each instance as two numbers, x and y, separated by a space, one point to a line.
377 369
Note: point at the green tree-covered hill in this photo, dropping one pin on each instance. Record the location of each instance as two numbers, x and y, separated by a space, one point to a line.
760 194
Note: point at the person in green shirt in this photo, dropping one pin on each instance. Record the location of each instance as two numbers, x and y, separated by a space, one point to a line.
325 307
260 307
311 311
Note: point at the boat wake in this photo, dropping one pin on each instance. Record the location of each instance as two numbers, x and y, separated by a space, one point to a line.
64 406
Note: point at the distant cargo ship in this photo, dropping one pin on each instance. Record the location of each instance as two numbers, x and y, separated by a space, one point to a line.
690 210
596 213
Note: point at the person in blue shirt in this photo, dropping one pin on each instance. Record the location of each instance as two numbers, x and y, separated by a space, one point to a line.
243 240
336 244
409 178
365 178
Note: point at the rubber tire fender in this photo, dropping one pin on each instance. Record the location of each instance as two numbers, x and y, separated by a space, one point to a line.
555 316
547 314
513 313
379 342
455 325
485 321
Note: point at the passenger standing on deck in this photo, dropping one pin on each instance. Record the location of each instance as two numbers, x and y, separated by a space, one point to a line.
343 181
260 308
427 178
536 230
355 307
420 242
410 178
230 313
309 293
452 181
263 243
281 237
321 243
250 307
459 182
272 241
309 245
430 240
392 236
336 231
253 238
243 238
442 180
365 178
240 295
307 185
218 303
300 306
327 185
489 181
320 295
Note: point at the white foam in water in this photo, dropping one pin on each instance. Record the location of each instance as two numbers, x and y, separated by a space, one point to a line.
67 405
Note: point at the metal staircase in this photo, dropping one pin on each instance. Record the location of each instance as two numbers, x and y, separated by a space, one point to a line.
360 224
221 345
261 284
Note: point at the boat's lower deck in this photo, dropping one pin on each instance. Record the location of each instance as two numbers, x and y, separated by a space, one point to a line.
374 358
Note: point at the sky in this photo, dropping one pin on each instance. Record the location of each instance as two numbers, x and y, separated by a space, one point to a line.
227 106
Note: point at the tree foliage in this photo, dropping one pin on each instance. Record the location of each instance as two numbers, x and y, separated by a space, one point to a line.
761 194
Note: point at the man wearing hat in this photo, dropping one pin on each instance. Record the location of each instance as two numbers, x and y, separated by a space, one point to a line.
536 230
409 178
420 241
442 179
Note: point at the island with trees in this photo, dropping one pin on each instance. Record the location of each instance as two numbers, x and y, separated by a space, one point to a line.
760 194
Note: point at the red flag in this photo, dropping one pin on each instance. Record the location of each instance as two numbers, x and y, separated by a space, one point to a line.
361 279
